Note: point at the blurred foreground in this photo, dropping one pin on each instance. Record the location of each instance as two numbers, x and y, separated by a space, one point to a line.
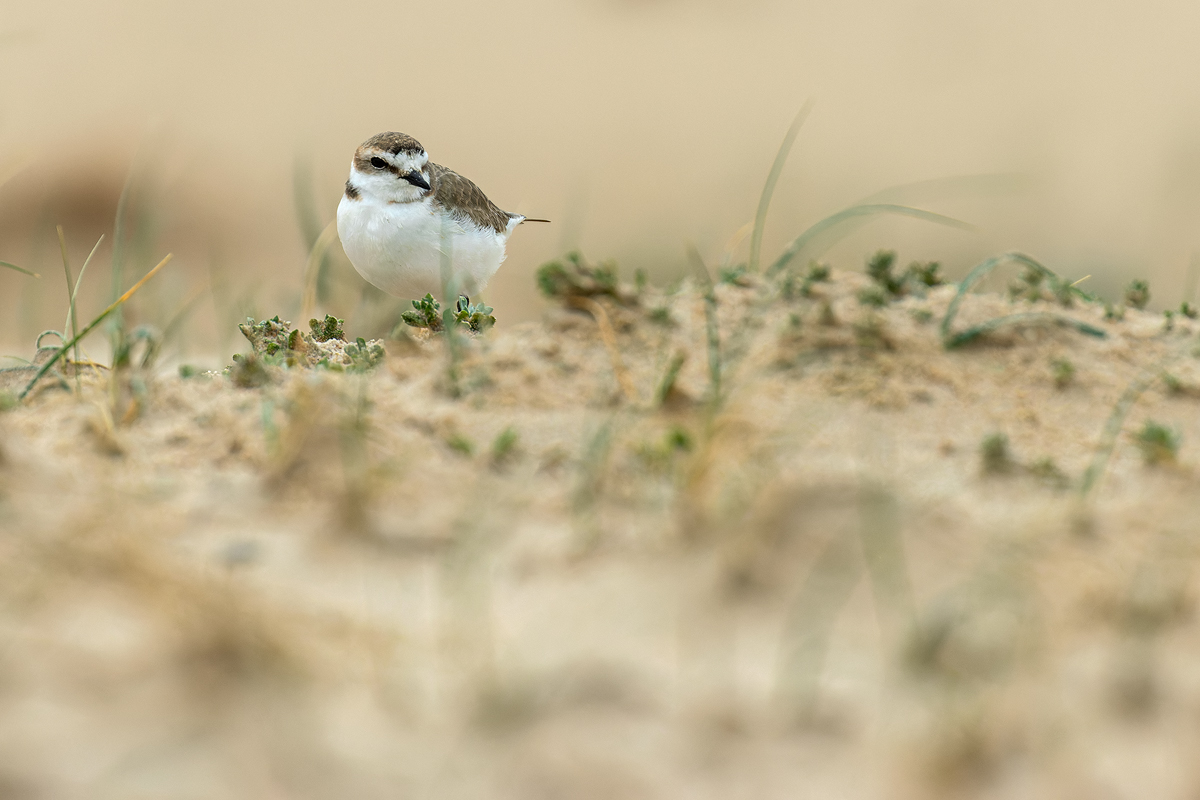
648 547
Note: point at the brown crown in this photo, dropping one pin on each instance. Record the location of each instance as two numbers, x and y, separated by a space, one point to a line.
394 143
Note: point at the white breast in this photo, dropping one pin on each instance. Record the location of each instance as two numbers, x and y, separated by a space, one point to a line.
404 248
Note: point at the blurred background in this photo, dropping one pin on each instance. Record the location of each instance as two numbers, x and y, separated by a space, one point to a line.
637 126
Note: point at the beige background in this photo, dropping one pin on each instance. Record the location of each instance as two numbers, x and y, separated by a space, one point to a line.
635 126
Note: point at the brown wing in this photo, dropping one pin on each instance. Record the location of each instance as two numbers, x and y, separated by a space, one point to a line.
458 195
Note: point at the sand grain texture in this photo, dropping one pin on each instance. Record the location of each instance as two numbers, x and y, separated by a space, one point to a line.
342 585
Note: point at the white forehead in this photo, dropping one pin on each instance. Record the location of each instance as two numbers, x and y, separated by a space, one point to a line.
403 161
405 158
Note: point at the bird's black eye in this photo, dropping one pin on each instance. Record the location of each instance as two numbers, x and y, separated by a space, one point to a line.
378 163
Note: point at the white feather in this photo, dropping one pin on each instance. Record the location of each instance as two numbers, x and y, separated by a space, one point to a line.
399 241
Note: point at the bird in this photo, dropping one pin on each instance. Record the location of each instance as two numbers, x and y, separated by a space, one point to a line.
411 227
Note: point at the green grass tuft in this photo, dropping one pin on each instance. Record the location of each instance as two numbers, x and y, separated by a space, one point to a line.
326 329
574 276
504 446
1158 443
1063 371
477 318
425 314
1137 294
460 444
873 296
995 456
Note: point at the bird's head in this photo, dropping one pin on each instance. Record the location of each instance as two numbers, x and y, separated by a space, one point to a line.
392 167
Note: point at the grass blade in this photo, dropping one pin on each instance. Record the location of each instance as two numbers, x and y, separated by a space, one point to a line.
886 561
950 341
1116 419
91 326
808 630
830 223
70 320
1113 425
934 189
984 328
711 325
75 292
19 269
764 202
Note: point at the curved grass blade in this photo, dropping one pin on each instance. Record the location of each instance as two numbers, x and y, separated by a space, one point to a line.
1116 419
37 343
984 328
933 189
937 189
19 269
70 323
981 271
75 292
806 239
810 622
91 326
764 202
711 326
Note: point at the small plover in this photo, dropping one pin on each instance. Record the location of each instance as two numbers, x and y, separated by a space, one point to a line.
412 227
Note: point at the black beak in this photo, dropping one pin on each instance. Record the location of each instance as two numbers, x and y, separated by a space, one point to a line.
417 179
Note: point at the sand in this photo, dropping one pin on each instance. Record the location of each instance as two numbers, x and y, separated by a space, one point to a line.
526 565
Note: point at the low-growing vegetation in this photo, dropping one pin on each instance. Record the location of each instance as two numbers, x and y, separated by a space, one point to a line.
770 527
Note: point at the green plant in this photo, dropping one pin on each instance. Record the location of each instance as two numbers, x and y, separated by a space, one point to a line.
735 276
460 444
873 296
50 362
1158 443
1137 294
666 387
764 201
477 318
1063 371
248 371
658 456
425 314
324 330
660 315
1045 470
951 339
574 276
30 273
879 268
995 454
927 274
364 355
504 446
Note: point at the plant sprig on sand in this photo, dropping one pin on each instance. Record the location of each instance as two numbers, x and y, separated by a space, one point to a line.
952 339
46 367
